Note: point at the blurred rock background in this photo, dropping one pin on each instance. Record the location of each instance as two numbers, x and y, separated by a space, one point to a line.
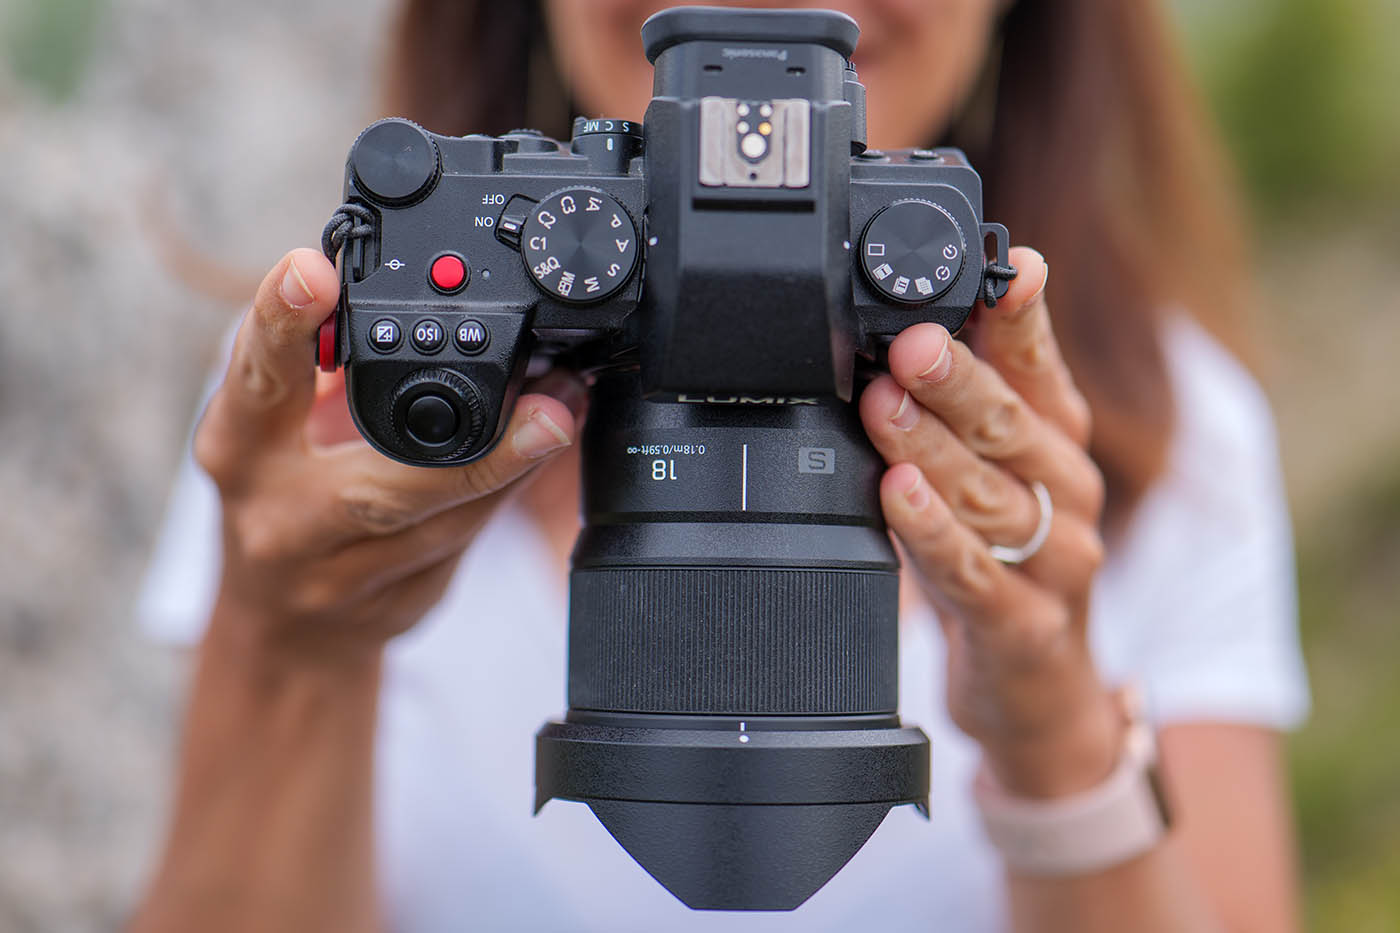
147 145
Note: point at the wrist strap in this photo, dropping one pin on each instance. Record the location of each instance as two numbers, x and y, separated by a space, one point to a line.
1120 819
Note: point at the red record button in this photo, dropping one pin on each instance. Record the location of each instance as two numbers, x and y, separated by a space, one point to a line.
448 273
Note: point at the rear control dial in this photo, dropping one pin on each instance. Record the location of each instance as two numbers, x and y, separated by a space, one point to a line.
912 251
437 414
580 245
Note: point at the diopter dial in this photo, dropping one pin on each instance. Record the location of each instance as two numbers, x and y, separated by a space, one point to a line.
912 251
580 245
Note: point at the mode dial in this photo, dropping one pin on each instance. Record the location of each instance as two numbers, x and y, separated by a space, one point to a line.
580 245
912 251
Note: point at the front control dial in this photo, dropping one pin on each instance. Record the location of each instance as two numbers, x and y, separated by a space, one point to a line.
580 245
912 251
395 162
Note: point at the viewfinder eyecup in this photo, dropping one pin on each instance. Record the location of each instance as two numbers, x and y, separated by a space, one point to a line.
834 30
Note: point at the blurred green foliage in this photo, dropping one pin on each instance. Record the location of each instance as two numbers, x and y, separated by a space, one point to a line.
48 43
1307 93
1346 762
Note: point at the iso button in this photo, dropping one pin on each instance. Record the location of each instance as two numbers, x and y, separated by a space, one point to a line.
428 336
472 337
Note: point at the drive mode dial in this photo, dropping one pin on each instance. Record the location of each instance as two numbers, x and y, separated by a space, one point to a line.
580 245
912 251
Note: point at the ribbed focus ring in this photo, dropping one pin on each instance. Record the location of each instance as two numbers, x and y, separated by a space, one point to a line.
795 642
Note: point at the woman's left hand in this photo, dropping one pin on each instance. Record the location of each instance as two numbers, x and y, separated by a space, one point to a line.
965 436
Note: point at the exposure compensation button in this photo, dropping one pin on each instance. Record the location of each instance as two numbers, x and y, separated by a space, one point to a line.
384 335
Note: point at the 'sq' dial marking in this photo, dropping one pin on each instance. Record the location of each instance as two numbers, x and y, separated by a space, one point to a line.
580 245
912 251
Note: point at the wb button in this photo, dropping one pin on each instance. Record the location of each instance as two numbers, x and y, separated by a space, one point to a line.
472 337
816 460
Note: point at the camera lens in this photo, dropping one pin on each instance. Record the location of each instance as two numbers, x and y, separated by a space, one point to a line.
732 646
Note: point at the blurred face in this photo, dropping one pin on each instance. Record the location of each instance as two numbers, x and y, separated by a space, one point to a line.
917 59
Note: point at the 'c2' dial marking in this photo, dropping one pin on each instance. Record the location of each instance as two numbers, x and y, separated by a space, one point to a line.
580 245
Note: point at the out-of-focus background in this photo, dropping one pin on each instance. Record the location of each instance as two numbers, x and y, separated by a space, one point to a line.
147 145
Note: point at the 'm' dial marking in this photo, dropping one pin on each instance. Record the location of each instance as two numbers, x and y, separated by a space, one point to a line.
580 245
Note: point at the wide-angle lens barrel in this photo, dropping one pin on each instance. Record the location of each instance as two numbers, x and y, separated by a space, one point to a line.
732 646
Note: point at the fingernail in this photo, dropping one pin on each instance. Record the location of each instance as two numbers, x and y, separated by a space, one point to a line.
295 291
1041 290
538 436
1018 314
941 364
907 415
917 494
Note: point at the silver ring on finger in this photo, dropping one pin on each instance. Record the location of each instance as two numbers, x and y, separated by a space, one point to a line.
1016 555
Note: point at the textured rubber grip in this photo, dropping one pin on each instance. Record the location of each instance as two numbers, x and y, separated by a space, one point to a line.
733 641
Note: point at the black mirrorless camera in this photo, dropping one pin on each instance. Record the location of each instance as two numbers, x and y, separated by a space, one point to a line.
726 271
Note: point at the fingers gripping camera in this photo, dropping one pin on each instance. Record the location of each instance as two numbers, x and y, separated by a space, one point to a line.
742 242
462 258
726 271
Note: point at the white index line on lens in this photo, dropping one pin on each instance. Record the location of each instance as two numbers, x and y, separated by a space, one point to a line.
744 480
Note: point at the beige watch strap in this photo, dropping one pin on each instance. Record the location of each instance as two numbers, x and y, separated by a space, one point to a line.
1120 819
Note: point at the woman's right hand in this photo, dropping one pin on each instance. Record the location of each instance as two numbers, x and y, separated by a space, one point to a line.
334 548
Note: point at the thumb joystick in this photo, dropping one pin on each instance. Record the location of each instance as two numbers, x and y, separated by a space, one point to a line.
437 414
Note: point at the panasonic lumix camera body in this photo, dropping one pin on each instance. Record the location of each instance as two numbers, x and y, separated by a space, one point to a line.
726 270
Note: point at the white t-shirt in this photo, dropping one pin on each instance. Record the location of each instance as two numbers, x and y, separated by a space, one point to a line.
1197 603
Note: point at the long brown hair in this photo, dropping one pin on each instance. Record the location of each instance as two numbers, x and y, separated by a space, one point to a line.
1095 152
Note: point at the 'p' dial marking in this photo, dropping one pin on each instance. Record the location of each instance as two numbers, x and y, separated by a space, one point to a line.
580 245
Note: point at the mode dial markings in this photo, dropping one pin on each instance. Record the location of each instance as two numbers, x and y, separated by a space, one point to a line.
580 245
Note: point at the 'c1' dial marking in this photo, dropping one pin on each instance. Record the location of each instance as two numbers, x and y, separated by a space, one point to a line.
580 245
